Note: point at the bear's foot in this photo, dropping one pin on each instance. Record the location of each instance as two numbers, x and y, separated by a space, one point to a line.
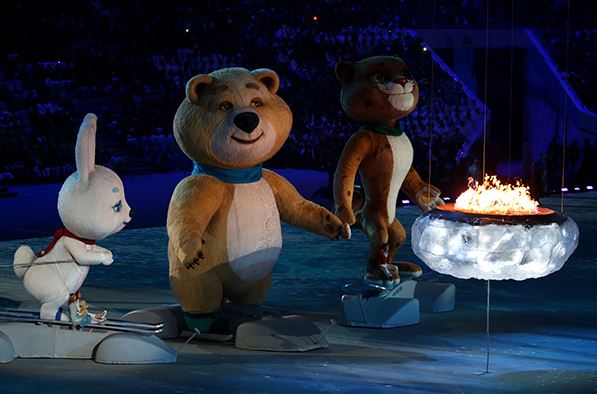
383 276
206 323
406 269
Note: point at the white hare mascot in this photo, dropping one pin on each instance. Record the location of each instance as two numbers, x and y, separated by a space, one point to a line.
91 205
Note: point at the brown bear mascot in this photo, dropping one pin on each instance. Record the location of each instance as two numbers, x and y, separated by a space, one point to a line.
224 222
378 91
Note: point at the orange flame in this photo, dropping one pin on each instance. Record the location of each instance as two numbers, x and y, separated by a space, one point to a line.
492 197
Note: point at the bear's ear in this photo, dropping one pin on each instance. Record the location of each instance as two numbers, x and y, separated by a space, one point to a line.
85 148
267 77
345 72
197 85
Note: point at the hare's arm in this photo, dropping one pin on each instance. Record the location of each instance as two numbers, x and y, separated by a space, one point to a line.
98 248
87 254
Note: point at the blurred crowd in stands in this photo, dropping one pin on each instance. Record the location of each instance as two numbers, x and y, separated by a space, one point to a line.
128 62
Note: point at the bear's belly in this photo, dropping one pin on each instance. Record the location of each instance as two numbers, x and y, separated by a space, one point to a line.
254 234
402 155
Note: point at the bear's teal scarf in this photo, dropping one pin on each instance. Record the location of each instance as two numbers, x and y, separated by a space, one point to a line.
241 175
383 129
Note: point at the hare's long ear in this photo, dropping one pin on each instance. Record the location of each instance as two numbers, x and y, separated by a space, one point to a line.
85 149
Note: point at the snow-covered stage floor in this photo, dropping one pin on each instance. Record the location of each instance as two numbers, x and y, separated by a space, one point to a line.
543 331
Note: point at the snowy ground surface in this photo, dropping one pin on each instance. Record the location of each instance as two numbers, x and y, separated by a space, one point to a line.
543 331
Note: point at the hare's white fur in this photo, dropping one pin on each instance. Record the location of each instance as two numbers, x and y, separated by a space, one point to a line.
88 204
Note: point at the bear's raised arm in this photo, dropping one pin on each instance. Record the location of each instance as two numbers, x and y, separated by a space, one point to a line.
296 210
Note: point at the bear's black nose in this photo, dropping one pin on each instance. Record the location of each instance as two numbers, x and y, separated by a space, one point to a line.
246 121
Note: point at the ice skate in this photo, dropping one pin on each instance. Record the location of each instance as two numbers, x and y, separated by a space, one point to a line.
382 277
408 270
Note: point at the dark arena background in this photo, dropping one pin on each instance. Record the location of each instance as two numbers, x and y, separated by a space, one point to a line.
507 87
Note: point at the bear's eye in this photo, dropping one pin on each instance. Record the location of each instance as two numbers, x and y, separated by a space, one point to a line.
225 106
256 103
378 78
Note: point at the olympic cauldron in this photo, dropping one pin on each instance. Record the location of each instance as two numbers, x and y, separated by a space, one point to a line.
494 232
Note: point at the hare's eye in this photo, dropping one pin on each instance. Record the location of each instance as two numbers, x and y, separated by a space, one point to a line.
225 106
117 207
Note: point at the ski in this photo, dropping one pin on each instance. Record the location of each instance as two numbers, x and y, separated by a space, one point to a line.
112 325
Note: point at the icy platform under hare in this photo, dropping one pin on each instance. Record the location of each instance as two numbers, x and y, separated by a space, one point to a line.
24 335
